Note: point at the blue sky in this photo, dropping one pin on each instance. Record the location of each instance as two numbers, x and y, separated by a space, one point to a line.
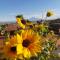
29 8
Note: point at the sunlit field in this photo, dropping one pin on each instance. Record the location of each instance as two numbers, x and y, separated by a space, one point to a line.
26 40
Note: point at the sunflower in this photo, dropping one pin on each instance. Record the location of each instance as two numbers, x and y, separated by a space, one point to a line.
28 43
49 13
10 47
21 22
10 50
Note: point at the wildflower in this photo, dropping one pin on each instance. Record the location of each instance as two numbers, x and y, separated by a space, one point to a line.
20 22
10 47
49 13
10 51
28 44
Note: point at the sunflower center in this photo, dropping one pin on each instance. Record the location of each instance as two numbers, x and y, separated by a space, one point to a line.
23 21
26 43
13 49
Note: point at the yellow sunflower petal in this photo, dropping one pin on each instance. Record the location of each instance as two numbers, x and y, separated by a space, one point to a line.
19 49
34 49
7 43
21 25
19 39
24 35
28 34
26 53
13 40
18 20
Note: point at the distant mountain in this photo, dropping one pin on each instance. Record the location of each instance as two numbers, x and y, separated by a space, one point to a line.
7 22
34 19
